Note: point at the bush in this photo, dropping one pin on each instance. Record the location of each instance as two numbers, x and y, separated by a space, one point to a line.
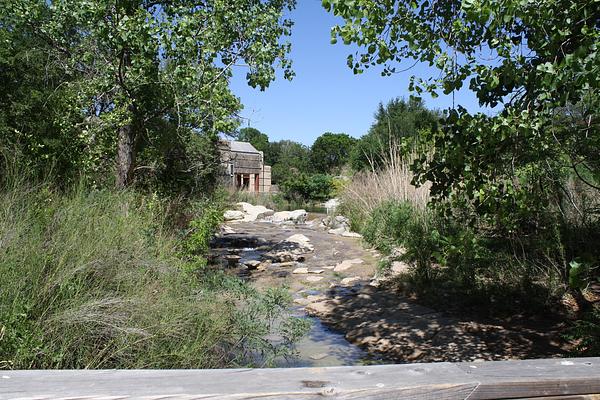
368 190
94 279
305 187
587 334
387 226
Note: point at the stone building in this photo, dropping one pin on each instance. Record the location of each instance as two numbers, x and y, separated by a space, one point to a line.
244 167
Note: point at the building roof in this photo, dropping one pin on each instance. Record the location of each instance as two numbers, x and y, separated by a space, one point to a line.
242 147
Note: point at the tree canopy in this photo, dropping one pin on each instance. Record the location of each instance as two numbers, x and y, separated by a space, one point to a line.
137 81
397 123
330 152
538 61
259 140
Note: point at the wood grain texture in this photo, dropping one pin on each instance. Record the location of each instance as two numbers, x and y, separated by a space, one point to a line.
488 380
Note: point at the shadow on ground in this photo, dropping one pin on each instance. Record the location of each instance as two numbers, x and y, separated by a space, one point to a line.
403 331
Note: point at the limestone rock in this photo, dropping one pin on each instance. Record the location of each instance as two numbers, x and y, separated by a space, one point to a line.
352 234
339 225
316 271
338 231
233 215
287 264
301 270
291 249
302 241
346 264
331 205
252 264
253 213
296 216
232 260
350 281
314 278
227 230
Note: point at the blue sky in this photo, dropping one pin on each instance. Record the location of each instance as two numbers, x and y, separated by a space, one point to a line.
325 95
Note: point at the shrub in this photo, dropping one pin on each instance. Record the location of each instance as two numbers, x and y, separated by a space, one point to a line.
387 226
369 189
587 334
305 187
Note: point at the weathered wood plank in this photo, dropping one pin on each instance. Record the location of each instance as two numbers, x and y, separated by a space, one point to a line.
514 379
534 378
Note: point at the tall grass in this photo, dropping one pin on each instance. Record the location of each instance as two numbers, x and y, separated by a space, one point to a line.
367 190
94 279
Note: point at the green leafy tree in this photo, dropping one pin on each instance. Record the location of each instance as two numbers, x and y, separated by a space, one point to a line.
259 140
330 152
144 72
539 64
546 61
397 124
304 187
288 158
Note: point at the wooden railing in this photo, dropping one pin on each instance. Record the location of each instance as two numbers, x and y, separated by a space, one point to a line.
548 379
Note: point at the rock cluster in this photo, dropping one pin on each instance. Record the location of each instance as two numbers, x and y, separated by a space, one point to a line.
291 249
339 225
294 217
246 212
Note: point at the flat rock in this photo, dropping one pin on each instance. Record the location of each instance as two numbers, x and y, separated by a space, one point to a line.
287 264
319 356
337 231
314 278
302 241
352 234
253 213
350 281
301 270
252 264
346 264
227 230
316 271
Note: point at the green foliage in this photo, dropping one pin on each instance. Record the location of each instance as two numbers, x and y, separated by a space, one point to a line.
330 152
94 279
259 140
387 226
400 124
586 332
304 187
289 159
550 95
91 82
203 226
514 184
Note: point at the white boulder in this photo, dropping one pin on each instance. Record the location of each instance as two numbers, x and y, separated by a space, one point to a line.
233 215
252 213
296 216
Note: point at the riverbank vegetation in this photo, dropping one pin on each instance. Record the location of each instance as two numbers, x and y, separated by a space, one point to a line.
513 219
101 279
109 125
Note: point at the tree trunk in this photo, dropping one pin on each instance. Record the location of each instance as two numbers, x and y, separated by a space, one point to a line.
125 155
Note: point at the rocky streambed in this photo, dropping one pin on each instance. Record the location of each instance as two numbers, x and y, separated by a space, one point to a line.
359 318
